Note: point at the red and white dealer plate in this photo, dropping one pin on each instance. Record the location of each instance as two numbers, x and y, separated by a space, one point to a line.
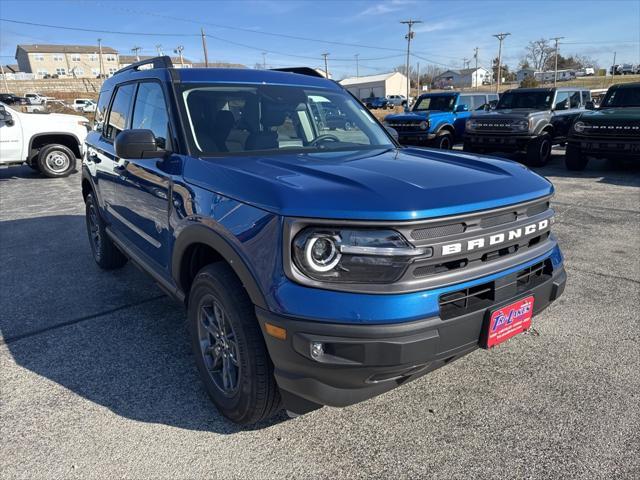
509 321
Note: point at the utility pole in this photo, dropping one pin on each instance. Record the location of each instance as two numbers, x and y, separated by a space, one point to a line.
326 65
179 49
100 58
613 69
475 55
264 60
6 85
555 71
159 50
418 82
500 37
136 52
204 47
465 62
357 66
409 36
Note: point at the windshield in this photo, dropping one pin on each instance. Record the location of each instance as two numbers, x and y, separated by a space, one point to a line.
532 100
225 120
622 97
440 102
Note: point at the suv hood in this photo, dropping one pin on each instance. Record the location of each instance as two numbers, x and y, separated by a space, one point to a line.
414 116
511 113
390 184
612 115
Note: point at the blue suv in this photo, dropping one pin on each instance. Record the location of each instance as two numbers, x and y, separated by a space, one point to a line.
438 119
317 267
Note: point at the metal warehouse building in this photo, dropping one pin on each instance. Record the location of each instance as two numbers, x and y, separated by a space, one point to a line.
394 83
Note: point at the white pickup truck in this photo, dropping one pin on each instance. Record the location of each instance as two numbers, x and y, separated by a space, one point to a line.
48 142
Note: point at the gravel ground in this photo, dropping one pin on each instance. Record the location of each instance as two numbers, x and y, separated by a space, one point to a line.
97 379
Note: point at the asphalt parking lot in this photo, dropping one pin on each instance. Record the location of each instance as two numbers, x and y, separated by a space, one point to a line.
97 378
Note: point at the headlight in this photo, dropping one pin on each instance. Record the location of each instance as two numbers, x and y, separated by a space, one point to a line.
470 125
353 255
423 125
520 125
579 127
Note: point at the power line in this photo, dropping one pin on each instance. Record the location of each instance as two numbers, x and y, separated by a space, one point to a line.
94 30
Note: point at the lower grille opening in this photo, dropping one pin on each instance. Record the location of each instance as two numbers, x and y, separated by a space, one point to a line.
440 268
533 276
468 300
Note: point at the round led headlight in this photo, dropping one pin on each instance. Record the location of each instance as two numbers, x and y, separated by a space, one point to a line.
321 253
579 127
423 125
520 125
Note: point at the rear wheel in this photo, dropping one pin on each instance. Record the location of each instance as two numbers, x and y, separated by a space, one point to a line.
105 253
539 151
443 140
229 348
56 161
574 159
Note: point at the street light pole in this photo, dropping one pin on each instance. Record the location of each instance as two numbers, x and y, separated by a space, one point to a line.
264 60
475 55
500 37
555 71
100 57
179 49
326 65
204 48
409 36
136 51
357 66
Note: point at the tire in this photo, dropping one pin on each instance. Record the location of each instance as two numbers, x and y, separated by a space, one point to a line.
539 151
574 160
443 140
223 327
55 161
105 253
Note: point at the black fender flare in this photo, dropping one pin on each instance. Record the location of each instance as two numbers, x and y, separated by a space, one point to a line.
62 134
198 233
446 126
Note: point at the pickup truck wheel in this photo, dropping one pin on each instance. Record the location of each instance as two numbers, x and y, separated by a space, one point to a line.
443 140
105 252
574 159
56 161
229 348
539 151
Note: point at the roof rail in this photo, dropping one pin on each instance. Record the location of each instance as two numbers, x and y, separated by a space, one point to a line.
301 71
157 62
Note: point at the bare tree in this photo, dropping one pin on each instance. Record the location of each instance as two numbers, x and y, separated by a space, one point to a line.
538 54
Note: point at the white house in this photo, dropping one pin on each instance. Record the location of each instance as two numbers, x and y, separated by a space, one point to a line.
465 78
394 83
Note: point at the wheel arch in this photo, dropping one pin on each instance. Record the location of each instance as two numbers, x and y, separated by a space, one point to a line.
40 140
198 245
446 127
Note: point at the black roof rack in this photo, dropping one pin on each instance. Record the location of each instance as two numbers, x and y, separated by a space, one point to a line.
157 62
301 71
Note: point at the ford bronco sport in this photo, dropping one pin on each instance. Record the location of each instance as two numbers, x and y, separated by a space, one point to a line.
612 131
529 120
438 119
316 268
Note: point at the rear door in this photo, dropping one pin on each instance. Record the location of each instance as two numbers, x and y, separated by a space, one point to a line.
143 190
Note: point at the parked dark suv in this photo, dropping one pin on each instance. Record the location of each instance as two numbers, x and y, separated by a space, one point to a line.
529 120
317 267
612 131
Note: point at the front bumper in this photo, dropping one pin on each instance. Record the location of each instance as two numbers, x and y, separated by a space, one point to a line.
361 361
616 147
415 138
499 142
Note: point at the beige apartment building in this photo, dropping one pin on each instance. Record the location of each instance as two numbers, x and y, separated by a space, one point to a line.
67 61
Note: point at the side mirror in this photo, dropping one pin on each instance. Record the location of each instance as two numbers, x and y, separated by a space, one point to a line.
462 108
5 117
137 143
392 131
590 105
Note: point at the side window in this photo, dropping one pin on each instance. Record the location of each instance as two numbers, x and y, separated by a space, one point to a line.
465 100
574 99
479 102
119 114
150 110
101 110
562 101
586 96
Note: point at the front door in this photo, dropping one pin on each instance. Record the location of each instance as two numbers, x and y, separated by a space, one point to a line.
462 116
143 192
11 138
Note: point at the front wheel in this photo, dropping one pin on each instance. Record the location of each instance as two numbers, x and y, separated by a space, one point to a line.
55 161
443 141
574 159
229 348
539 151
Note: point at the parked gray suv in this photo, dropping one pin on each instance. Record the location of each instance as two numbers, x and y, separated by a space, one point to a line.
529 120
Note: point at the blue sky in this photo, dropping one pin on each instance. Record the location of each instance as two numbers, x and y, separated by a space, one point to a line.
449 32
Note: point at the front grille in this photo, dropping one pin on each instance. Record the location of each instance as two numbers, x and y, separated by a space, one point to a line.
537 209
480 297
493 126
632 130
498 220
439 231
413 126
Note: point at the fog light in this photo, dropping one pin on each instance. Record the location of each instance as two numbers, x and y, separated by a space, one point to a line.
317 350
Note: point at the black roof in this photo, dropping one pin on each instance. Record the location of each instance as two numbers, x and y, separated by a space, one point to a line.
547 89
626 85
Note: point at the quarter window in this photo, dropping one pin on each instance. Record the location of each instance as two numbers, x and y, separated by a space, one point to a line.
119 114
150 110
586 96
574 100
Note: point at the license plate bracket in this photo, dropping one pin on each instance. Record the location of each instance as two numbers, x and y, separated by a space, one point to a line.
505 322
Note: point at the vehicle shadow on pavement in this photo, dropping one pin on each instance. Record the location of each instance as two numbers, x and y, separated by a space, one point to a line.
112 338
